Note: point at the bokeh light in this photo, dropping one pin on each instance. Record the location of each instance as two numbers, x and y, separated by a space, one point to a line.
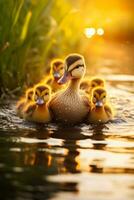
100 31
89 32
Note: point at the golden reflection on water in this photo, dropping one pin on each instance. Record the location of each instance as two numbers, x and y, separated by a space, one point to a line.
65 160
69 151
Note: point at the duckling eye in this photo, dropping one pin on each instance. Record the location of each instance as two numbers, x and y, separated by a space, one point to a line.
46 93
95 96
29 97
93 85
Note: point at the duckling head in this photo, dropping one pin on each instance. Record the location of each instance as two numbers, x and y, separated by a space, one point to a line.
42 94
97 82
57 68
85 85
29 94
98 98
74 68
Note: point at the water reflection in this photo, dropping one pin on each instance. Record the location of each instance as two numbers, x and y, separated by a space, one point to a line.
39 156
70 137
44 162
95 165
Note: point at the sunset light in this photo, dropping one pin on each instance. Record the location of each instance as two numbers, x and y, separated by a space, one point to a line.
67 100
89 32
100 31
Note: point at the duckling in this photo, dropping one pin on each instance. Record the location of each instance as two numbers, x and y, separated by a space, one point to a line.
96 82
88 85
24 101
69 106
39 111
56 72
85 86
101 111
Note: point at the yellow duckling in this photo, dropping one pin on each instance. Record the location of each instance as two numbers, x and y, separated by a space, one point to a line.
39 111
68 105
56 72
24 101
96 82
85 86
101 111
89 84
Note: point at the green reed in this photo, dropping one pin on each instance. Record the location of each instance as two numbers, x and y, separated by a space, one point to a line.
31 33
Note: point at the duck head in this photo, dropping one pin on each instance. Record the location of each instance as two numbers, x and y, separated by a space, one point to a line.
74 68
42 94
98 98
57 68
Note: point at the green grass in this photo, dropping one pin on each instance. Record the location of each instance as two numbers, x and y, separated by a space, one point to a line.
31 33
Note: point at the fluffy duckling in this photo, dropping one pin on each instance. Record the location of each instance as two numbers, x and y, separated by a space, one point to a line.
69 106
85 86
24 101
56 72
101 111
39 111
96 82
88 85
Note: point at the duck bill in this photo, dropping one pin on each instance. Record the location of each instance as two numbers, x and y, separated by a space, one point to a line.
99 104
40 101
66 77
56 75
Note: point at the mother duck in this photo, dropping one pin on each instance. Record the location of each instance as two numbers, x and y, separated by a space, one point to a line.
68 105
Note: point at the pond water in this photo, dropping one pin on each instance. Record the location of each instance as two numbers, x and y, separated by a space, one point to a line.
86 162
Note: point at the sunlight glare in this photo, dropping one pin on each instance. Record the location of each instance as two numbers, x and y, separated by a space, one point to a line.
89 32
100 31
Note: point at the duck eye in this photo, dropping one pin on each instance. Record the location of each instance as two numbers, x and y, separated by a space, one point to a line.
94 95
46 93
29 97
77 67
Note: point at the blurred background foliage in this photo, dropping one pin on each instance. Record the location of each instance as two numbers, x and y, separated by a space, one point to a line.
32 32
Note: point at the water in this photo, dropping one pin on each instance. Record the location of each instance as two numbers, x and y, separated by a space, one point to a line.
83 162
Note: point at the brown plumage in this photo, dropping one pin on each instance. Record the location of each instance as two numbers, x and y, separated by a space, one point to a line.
68 106
72 59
